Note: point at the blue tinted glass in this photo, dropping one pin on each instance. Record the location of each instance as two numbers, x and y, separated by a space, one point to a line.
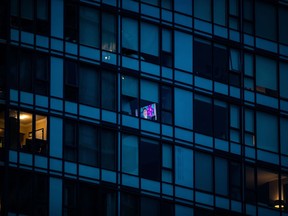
266 122
184 166
183 108
183 54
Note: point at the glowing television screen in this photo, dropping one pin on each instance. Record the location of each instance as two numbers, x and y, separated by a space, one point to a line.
148 112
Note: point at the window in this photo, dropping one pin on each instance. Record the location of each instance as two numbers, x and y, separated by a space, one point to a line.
265 26
2 134
90 145
30 15
211 61
150 36
150 159
266 75
83 23
267 122
266 187
283 31
3 60
87 85
130 156
27 193
29 71
81 198
210 119
203 180
148 107
248 16
4 19
202 9
28 132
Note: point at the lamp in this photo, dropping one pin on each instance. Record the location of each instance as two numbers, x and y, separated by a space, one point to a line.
279 204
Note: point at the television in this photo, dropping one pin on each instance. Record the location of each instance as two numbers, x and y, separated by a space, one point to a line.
148 112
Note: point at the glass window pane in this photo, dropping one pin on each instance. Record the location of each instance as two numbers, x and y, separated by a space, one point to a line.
266 73
221 176
166 97
183 108
184 166
89 27
129 102
234 116
149 39
108 149
233 7
248 64
183 6
219 11
265 26
167 156
27 9
283 30
150 159
234 63
88 86
108 86
26 71
108 32
130 154
183 54
283 79
202 58
203 117
266 122
220 120
203 172
88 151
284 135
70 132
150 207
14 4
220 63
130 34
26 131
202 9
42 9
166 40
249 120
149 91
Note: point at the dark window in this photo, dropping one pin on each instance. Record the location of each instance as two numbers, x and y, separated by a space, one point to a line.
88 144
211 61
2 135
203 172
27 193
29 71
3 72
129 205
150 161
82 198
4 21
108 149
265 26
209 119
83 23
202 58
30 15
28 132
83 83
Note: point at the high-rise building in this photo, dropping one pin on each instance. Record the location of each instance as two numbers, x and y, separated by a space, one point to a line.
144 107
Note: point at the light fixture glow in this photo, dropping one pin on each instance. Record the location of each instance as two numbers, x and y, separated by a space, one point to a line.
24 116
279 204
